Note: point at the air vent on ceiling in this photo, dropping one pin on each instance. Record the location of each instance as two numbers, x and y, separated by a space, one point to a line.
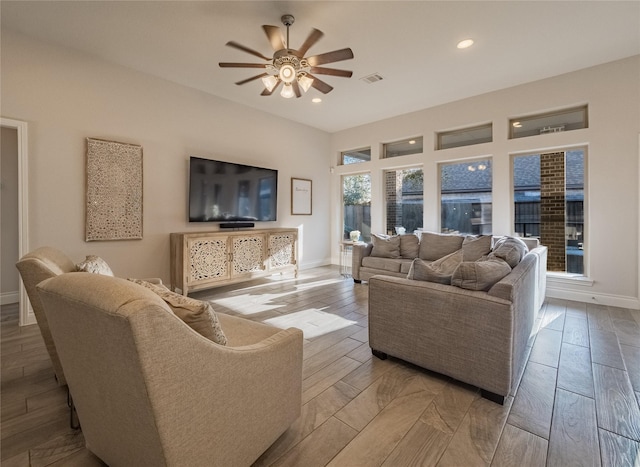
372 78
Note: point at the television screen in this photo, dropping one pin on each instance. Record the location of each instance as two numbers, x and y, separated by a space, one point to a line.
227 192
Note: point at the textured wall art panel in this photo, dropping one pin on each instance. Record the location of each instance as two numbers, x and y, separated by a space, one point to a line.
114 191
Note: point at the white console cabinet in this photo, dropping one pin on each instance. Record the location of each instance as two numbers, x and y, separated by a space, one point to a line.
201 260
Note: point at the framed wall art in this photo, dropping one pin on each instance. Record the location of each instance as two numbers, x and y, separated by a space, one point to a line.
114 191
301 196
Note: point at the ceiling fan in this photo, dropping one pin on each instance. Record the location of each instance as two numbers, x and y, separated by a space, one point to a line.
289 67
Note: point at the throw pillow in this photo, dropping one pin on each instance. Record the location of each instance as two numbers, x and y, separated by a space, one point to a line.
509 249
475 247
94 264
385 246
434 246
439 271
480 275
409 246
198 315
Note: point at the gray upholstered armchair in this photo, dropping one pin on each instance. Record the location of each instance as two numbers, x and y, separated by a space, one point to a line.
149 390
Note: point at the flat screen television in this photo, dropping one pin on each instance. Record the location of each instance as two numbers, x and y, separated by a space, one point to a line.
228 192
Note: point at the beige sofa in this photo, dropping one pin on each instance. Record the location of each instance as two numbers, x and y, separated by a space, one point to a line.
150 390
480 337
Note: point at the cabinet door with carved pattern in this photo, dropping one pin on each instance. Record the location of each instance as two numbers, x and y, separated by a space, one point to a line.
282 250
248 252
208 259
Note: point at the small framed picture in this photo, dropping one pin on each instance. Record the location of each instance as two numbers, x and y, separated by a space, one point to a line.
300 196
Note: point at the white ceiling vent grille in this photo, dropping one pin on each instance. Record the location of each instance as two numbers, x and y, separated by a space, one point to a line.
372 78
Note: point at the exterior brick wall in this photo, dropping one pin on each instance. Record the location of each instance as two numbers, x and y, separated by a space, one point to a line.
393 192
552 209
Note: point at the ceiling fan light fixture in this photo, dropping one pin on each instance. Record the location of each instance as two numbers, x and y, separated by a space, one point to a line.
270 82
287 73
305 82
287 91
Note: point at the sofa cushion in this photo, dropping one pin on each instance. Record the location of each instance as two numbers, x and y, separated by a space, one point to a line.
385 246
385 264
475 247
439 271
198 315
409 246
94 264
480 275
434 246
509 249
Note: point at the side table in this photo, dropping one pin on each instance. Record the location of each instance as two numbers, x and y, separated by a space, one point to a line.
346 249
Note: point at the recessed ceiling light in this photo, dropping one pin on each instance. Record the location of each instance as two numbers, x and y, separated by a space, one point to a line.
316 100
413 141
465 43
517 125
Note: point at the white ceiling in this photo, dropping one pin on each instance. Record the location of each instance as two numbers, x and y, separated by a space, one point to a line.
411 44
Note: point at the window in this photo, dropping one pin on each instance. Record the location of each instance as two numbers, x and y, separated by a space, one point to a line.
563 120
465 197
402 148
356 201
356 156
404 196
548 193
464 137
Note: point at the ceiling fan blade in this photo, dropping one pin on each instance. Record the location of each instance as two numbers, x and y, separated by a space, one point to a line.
240 65
266 92
330 57
314 36
235 45
275 37
296 89
320 85
331 71
261 75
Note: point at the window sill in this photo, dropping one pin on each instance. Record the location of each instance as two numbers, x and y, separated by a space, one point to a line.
569 278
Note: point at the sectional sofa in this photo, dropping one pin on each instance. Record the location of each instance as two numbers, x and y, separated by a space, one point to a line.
463 306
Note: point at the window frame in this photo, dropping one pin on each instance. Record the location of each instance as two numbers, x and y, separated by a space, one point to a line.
584 277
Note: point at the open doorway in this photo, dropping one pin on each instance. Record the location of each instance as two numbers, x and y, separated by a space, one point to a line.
16 233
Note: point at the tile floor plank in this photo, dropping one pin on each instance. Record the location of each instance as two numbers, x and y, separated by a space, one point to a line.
574 435
519 447
533 404
617 406
574 372
617 450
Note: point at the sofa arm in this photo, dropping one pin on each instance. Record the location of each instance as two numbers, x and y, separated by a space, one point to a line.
359 251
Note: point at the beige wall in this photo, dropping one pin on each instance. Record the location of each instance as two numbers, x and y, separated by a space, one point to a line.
66 97
612 92
9 221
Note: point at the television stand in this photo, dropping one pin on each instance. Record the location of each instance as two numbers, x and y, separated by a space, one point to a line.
202 260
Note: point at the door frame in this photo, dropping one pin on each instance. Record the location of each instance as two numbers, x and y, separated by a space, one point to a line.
26 315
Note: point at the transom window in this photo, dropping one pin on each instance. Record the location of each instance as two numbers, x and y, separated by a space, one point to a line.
402 148
355 156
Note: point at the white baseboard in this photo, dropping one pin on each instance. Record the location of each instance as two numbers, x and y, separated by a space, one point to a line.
590 297
315 264
7 298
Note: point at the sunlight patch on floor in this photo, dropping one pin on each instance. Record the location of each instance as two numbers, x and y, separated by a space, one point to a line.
313 322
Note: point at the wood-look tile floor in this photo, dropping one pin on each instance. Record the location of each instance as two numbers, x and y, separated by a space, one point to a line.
577 403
